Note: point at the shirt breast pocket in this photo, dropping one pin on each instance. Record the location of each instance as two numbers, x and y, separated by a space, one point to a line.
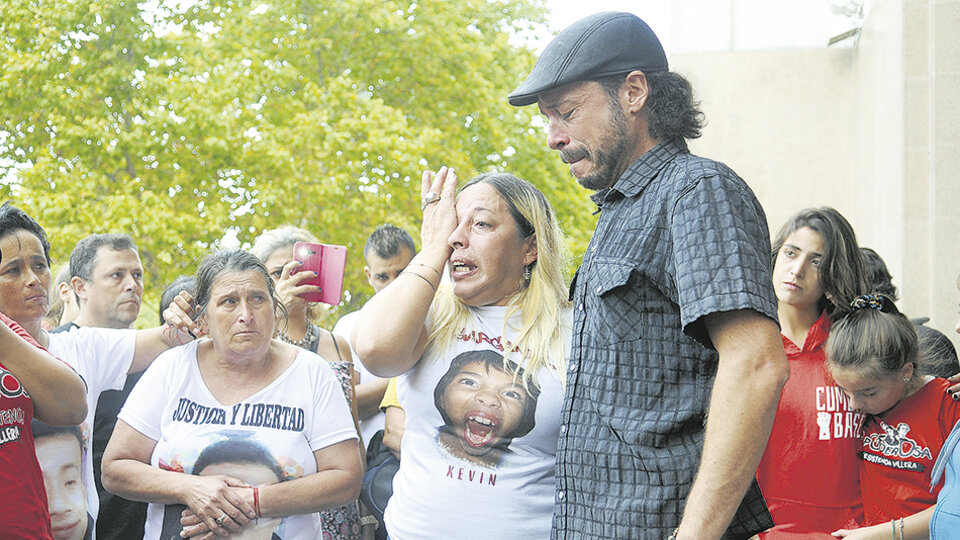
614 303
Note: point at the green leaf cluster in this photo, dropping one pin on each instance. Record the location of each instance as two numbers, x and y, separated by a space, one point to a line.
184 123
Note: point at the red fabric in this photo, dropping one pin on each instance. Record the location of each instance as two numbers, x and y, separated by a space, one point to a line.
23 500
899 450
808 473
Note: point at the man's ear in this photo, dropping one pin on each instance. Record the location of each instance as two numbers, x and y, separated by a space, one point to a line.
78 284
637 91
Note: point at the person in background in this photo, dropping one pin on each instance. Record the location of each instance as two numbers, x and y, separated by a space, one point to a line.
945 520
103 357
499 243
106 279
938 356
878 275
675 338
63 303
387 252
872 354
238 382
177 286
274 248
808 473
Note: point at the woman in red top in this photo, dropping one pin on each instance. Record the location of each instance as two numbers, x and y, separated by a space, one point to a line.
872 354
32 384
808 473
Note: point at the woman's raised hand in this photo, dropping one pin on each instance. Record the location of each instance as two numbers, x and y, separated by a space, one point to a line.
438 194
289 287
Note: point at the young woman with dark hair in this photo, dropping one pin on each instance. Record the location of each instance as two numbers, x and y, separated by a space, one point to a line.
808 473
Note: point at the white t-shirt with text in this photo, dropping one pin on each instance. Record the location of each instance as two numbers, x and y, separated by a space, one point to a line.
277 430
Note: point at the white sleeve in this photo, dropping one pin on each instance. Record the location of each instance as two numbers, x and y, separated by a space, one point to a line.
144 407
332 419
102 356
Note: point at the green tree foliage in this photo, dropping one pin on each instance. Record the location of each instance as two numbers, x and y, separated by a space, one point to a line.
182 122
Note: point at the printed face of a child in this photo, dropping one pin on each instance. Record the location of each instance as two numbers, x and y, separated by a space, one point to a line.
254 474
59 457
485 404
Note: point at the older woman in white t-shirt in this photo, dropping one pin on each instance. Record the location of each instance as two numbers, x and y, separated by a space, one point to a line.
480 360
238 385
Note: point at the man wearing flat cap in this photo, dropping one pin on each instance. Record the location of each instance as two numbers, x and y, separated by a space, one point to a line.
675 313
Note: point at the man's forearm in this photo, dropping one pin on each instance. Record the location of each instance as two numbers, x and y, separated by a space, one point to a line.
751 373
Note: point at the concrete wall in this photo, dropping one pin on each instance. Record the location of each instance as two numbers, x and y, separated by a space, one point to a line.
872 130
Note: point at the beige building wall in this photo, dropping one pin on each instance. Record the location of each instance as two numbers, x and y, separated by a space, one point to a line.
872 130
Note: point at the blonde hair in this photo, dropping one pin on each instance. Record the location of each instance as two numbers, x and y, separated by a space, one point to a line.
541 302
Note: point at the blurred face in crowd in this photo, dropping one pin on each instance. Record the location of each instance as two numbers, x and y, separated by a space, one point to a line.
489 256
381 272
796 274
59 457
111 297
24 278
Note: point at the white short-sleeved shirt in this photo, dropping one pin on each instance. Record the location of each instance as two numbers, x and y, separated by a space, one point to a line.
301 411
344 328
483 468
102 356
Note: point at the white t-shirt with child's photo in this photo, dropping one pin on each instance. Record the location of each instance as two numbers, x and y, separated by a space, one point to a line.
267 438
479 449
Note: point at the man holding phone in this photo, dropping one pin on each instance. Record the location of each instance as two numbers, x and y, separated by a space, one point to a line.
386 253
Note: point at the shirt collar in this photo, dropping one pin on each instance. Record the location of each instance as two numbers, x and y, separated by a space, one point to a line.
641 172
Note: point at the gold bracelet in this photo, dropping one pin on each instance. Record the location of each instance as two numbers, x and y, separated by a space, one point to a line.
421 277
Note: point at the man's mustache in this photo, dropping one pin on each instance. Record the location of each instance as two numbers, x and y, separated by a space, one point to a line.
570 155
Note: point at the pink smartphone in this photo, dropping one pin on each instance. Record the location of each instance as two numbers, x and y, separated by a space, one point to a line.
328 261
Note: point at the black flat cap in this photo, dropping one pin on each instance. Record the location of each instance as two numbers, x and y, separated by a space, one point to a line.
596 46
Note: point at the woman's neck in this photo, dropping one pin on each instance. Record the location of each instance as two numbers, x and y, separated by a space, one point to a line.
36 331
795 322
295 325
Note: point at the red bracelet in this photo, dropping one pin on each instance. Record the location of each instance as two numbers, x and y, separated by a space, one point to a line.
256 502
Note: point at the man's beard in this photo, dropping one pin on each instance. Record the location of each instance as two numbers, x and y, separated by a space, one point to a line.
608 156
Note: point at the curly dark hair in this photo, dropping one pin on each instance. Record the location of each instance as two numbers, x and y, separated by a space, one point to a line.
672 112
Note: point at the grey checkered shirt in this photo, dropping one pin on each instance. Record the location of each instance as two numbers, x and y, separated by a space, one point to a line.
679 238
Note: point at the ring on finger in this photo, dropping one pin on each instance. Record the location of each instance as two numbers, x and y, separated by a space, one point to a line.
430 198
220 519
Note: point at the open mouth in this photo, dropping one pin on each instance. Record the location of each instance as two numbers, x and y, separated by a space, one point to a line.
480 430
461 268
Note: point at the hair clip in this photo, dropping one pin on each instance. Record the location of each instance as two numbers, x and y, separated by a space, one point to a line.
878 302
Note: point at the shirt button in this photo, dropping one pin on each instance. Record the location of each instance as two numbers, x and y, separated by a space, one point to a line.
572 366
580 307
560 495
599 288
563 428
